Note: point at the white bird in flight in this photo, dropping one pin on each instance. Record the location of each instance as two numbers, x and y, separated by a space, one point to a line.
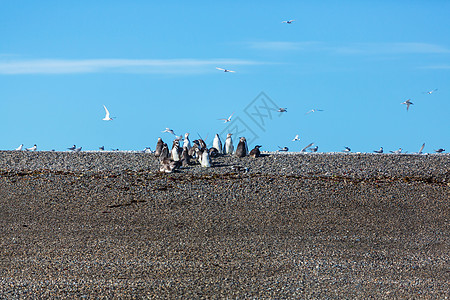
19 148
296 138
408 103
313 110
288 22
225 70
169 131
431 92
107 117
227 120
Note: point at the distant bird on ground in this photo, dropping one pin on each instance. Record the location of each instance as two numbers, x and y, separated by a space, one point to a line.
107 116
32 148
225 70
304 149
313 110
288 22
168 165
284 149
147 150
19 148
431 92
347 149
77 149
101 148
255 152
296 138
227 120
440 150
314 149
408 103
421 148
281 109
379 151
169 131
72 148
397 151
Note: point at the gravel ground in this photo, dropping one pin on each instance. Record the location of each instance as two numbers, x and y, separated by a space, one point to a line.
294 226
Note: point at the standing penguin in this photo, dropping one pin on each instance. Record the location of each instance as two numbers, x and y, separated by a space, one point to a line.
185 158
159 146
164 152
206 160
175 154
241 149
255 151
187 142
228 148
217 143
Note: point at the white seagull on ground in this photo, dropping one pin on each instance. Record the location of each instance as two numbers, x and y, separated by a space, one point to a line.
32 148
107 117
227 120
225 70
19 148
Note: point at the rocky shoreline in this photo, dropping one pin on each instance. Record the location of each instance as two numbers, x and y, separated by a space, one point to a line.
108 224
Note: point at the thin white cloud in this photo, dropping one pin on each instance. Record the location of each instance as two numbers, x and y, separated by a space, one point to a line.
352 48
162 66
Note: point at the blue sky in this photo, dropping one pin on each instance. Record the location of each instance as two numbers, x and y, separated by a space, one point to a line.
153 66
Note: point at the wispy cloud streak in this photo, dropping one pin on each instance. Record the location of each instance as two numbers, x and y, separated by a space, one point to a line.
352 48
162 66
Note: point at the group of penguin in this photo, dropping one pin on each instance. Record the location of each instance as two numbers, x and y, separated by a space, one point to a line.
184 154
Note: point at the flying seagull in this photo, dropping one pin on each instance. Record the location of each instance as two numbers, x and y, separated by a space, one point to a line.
408 103
296 138
379 151
225 70
107 117
284 149
288 22
19 148
313 110
169 131
281 109
304 149
227 120
431 92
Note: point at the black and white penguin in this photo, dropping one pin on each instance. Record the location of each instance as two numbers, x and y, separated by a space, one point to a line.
185 157
168 165
164 152
228 148
186 142
159 146
255 151
217 143
206 160
213 152
241 149
175 153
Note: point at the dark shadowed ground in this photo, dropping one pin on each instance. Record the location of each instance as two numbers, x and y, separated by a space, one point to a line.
224 234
